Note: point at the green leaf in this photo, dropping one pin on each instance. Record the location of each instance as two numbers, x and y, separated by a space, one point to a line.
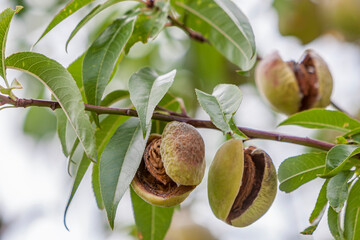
221 105
101 57
334 224
114 97
152 222
96 10
5 20
149 23
75 69
224 25
71 155
146 89
119 163
83 166
337 190
236 130
103 135
320 205
352 214
35 126
62 86
321 118
68 10
337 158
295 171
61 129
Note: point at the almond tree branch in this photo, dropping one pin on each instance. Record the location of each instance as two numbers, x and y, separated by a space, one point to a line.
251 133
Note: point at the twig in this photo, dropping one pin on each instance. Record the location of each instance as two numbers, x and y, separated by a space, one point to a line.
192 34
251 133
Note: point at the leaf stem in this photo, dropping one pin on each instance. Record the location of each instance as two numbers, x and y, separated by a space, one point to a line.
251 133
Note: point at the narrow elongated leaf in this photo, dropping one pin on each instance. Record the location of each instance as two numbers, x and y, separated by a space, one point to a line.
146 89
5 20
224 25
352 214
149 23
114 97
68 10
337 190
103 135
295 171
221 105
61 129
62 86
84 165
336 158
321 118
152 222
334 224
96 10
119 163
102 56
320 205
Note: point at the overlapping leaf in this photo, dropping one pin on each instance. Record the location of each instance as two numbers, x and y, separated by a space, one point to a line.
151 221
224 25
221 105
334 224
68 10
5 19
352 214
321 118
337 158
337 190
146 89
102 56
96 10
295 171
119 163
62 86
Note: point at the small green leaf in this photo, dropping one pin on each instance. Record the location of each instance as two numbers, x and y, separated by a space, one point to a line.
337 158
321 118
152 222
224 25
119 163
295 171
68 10
149 23
114 97
352 213
62 86
96 10
5 20
221 105
146 89
334 224
236 130
103 135
83 166
320 205
61 129
337 190
35 126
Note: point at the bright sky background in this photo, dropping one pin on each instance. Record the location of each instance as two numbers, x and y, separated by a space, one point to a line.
34 184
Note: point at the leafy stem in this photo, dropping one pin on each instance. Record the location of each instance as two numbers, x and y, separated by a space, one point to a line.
170 116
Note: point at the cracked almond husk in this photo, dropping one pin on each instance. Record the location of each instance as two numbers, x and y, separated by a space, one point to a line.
291 87
173 165
242 184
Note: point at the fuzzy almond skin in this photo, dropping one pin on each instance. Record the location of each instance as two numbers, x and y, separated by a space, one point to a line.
158 200
264 198
325 80
182 151
277 84
225 177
